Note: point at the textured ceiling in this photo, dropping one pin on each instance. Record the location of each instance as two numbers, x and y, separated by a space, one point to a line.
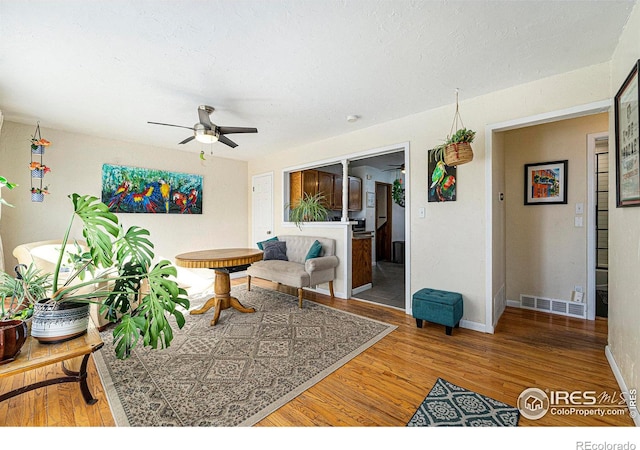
293 69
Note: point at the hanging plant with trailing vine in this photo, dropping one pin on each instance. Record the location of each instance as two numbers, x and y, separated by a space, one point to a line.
397 192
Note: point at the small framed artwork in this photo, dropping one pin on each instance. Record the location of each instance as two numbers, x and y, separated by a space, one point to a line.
441 180
627 118
371 199
546 183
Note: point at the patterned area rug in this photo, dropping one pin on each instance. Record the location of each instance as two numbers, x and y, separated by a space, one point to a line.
238 371
451 405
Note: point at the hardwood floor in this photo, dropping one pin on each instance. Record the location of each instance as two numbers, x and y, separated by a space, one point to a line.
384 385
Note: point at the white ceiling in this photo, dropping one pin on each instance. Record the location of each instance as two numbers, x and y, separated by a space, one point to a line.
294 69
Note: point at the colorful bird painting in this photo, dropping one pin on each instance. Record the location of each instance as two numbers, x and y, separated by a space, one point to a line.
146 201
192 198
119 194
140 190
443 183
180 200
438 173
165 191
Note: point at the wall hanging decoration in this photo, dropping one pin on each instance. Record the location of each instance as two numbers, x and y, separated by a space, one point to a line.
456 149
37 167
397 192
441 179
139 190
37 194
546 183
627 118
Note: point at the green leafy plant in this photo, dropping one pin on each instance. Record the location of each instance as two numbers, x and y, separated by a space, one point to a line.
460 136
397 192
5 183
18 294
120 262
310 208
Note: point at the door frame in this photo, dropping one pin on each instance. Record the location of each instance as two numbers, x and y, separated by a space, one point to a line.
254 237
591 222
490 195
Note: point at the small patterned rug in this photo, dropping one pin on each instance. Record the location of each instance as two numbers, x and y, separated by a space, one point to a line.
451 405
236 372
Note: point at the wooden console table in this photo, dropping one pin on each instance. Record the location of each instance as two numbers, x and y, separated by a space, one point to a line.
220 260
34 355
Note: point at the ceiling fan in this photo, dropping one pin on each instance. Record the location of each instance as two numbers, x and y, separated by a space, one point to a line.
399 167
207 132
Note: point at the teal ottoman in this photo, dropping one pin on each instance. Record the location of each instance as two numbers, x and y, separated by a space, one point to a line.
441 307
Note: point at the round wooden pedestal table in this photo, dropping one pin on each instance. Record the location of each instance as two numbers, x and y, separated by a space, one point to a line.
222 261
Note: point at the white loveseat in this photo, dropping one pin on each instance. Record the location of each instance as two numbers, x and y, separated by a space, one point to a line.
297 271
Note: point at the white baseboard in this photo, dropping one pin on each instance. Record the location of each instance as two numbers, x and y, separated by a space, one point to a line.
475 326
359 289
514 303
623 386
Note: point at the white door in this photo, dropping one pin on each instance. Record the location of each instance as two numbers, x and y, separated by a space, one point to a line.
262 207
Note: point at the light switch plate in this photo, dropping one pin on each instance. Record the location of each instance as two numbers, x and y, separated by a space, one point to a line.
578 221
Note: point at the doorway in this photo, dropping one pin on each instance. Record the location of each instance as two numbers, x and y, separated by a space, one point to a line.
262 206
384 221
599 246
495 275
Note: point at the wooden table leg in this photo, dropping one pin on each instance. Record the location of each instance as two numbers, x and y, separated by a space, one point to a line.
222 299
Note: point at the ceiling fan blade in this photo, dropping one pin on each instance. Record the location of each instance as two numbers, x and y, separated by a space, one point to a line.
205 120
231 130
189 139
170 125
227 141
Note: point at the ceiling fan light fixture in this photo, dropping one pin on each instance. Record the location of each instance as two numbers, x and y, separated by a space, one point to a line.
204 135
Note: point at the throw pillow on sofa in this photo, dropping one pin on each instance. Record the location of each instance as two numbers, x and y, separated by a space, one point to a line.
261 244
275 250
314 251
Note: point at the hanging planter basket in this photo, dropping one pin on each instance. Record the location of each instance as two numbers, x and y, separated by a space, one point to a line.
37 197
457 147
37 173
458 153
37 150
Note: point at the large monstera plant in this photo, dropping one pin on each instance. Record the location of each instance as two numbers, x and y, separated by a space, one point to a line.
119 263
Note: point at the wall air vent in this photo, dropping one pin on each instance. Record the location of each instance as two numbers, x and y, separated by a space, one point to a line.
554 306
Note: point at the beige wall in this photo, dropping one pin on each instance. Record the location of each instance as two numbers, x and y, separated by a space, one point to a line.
76 166
624 235
448 246
547 254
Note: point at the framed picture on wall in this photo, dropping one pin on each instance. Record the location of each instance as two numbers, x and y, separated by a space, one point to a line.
371 199
546 183
627 117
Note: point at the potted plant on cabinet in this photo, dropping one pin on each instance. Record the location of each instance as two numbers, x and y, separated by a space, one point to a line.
310 208
110 273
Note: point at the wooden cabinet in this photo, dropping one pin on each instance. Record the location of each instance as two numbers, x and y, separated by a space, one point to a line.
337 192
325 185
301 183
355 194
361 270
311 182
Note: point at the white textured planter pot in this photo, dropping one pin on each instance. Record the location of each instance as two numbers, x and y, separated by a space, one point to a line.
52 323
